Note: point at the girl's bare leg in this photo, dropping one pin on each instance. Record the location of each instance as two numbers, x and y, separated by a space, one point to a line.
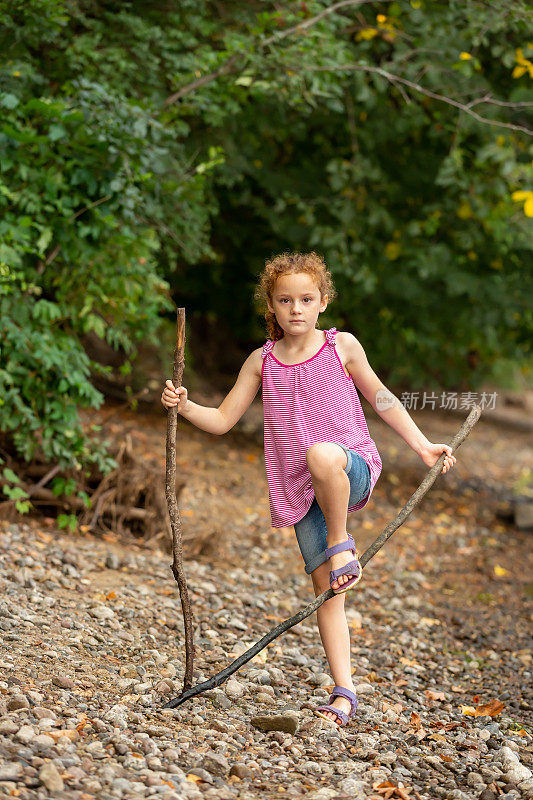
326 462
335 636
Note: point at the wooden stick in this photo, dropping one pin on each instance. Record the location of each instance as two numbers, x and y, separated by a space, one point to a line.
173 509
415 498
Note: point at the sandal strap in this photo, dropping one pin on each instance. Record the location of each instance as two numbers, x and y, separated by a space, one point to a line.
341 691
348 544
351 568
343 716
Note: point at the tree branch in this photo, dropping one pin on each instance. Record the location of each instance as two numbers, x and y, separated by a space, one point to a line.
228 65
394 79
415 498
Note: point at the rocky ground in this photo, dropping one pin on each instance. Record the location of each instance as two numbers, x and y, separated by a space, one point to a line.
92 642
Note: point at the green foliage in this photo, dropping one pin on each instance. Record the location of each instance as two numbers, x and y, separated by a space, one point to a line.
151 152
13 491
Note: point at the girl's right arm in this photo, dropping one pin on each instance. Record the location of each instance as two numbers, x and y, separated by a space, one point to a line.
222 419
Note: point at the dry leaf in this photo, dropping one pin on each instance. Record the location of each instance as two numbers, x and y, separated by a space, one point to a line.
500 571
64 733
437 737
415 721
408 662
434 695
470 711
491 709
192 778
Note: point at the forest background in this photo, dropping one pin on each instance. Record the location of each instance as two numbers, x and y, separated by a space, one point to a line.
154 154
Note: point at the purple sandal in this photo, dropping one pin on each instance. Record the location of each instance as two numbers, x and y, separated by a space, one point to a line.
339 691
351 568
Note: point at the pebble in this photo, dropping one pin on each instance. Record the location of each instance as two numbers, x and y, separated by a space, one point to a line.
277 722
215 764
50 777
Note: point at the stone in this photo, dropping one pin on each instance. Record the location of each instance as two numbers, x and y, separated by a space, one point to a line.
357 790
203 774
216 764
518 773
241 771
8 726
112 561
25 734
523 516
17 701
10 772
278 722
364 688
50 777
234 689
63 681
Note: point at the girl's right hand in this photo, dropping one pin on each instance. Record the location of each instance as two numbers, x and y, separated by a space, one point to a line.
174 397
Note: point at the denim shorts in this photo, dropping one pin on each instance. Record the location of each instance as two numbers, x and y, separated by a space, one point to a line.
311 531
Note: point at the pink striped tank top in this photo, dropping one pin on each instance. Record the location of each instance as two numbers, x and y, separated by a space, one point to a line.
313 401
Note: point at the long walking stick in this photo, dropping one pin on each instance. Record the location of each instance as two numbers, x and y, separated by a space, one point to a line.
173 509
415 498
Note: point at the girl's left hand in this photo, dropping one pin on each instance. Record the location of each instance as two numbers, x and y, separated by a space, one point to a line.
431 453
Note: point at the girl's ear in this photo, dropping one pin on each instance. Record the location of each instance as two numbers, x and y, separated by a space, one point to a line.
324 303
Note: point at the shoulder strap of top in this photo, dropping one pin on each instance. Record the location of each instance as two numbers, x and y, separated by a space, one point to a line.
330 336
267 347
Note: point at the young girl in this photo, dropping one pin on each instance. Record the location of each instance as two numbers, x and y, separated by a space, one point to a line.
321 462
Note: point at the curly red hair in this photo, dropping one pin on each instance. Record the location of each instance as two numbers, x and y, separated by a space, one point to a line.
289 264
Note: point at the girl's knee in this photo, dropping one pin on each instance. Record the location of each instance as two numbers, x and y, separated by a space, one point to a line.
323 457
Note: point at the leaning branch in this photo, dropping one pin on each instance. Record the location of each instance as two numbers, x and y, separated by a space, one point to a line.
415 498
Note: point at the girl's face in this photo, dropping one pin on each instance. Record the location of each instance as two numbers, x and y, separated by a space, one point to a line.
296 302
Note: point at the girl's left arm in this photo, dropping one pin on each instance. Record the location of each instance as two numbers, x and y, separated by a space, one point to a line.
389 408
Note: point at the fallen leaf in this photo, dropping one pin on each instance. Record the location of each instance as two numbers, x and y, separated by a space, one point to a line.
500 571
110 596
437 737
415 721
475 698
192 778
491 709
64 733
446 758
409 662
434 695
468 710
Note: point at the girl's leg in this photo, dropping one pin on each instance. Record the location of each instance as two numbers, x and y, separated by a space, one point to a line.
335 636
326 462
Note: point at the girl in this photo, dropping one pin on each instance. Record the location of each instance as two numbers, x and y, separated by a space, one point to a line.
321 462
